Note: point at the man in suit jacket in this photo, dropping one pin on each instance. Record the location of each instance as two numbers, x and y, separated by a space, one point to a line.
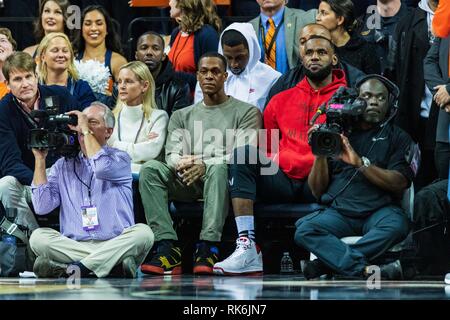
416 113
288 22
437 74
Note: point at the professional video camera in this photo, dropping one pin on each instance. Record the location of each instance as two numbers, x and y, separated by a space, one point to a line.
343 110
53 132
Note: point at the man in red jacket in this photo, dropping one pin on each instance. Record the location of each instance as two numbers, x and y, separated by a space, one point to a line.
256 174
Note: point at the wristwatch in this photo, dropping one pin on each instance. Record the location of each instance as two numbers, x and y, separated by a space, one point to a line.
85 133
365 163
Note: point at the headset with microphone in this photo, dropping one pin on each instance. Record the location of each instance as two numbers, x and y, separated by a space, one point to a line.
394 93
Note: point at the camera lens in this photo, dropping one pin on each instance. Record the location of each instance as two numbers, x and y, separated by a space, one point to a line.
39 138
327 142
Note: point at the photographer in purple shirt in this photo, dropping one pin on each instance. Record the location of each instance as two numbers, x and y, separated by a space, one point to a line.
94 193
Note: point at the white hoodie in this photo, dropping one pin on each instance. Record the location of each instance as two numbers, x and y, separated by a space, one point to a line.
254 83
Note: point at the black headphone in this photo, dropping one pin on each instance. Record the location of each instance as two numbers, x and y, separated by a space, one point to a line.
394 94
394 91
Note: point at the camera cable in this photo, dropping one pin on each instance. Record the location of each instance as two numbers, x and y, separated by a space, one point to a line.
374 141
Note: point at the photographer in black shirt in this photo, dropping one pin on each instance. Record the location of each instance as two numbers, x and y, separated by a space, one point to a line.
362 187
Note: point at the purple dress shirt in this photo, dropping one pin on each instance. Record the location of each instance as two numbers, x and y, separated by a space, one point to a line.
109 175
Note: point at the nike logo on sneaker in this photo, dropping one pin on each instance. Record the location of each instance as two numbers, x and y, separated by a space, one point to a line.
247 262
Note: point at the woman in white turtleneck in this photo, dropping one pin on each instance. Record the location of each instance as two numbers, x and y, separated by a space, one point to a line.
140 128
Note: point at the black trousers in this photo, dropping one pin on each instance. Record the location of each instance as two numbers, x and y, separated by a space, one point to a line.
441 157
253 176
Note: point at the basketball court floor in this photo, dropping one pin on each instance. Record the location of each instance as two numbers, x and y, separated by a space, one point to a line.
188 287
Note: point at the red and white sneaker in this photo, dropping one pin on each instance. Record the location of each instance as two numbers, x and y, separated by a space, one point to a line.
245 260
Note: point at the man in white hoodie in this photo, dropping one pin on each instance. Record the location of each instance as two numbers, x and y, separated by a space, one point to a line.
249 79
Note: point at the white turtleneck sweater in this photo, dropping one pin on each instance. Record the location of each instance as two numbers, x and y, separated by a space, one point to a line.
144 149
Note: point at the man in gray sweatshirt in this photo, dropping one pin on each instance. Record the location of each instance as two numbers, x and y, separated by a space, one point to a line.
199 143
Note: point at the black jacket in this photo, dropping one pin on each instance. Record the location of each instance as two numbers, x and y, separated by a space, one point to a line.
360 54
172 92
383 38
412 41
295 75
16 159
436 73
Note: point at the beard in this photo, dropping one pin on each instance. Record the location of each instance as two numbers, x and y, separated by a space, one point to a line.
320 75
237 71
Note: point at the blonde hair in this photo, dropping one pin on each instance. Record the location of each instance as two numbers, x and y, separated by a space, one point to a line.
143 74
42 66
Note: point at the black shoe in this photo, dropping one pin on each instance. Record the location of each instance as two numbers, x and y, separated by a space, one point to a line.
205 256
45 268
166 260
392 271
314 269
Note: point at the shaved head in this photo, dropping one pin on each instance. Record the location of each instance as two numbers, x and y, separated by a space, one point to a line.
312 29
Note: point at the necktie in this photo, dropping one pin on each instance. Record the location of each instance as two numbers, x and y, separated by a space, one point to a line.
270 56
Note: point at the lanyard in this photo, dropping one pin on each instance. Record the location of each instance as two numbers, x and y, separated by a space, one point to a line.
263 37
137 134
87 186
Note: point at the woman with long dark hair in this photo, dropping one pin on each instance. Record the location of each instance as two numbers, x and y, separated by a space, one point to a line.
338 16
197 33
52 18
99 53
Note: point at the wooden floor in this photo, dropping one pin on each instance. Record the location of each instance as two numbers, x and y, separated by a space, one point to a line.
188 287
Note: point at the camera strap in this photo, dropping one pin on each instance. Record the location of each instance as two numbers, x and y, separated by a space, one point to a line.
374 141
29 119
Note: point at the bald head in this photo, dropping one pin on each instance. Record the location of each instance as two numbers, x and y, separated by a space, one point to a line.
312 29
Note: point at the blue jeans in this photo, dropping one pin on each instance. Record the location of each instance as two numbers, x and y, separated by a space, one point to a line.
320 233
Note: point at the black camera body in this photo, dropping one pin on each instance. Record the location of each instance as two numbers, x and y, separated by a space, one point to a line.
53 132
343 110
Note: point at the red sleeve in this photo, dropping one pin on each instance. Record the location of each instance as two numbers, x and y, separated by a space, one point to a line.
441 20
270 123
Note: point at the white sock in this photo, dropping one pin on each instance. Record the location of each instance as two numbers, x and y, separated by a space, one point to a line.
246 226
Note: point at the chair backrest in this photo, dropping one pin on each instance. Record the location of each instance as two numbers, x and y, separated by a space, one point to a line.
407 202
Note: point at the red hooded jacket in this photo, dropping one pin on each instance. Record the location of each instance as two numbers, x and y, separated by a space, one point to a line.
290 112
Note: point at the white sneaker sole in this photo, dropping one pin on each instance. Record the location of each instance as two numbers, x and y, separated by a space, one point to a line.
249 271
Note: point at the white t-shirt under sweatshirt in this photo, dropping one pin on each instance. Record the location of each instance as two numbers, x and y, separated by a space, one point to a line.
131 134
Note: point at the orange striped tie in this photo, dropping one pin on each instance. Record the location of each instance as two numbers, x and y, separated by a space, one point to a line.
270 56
